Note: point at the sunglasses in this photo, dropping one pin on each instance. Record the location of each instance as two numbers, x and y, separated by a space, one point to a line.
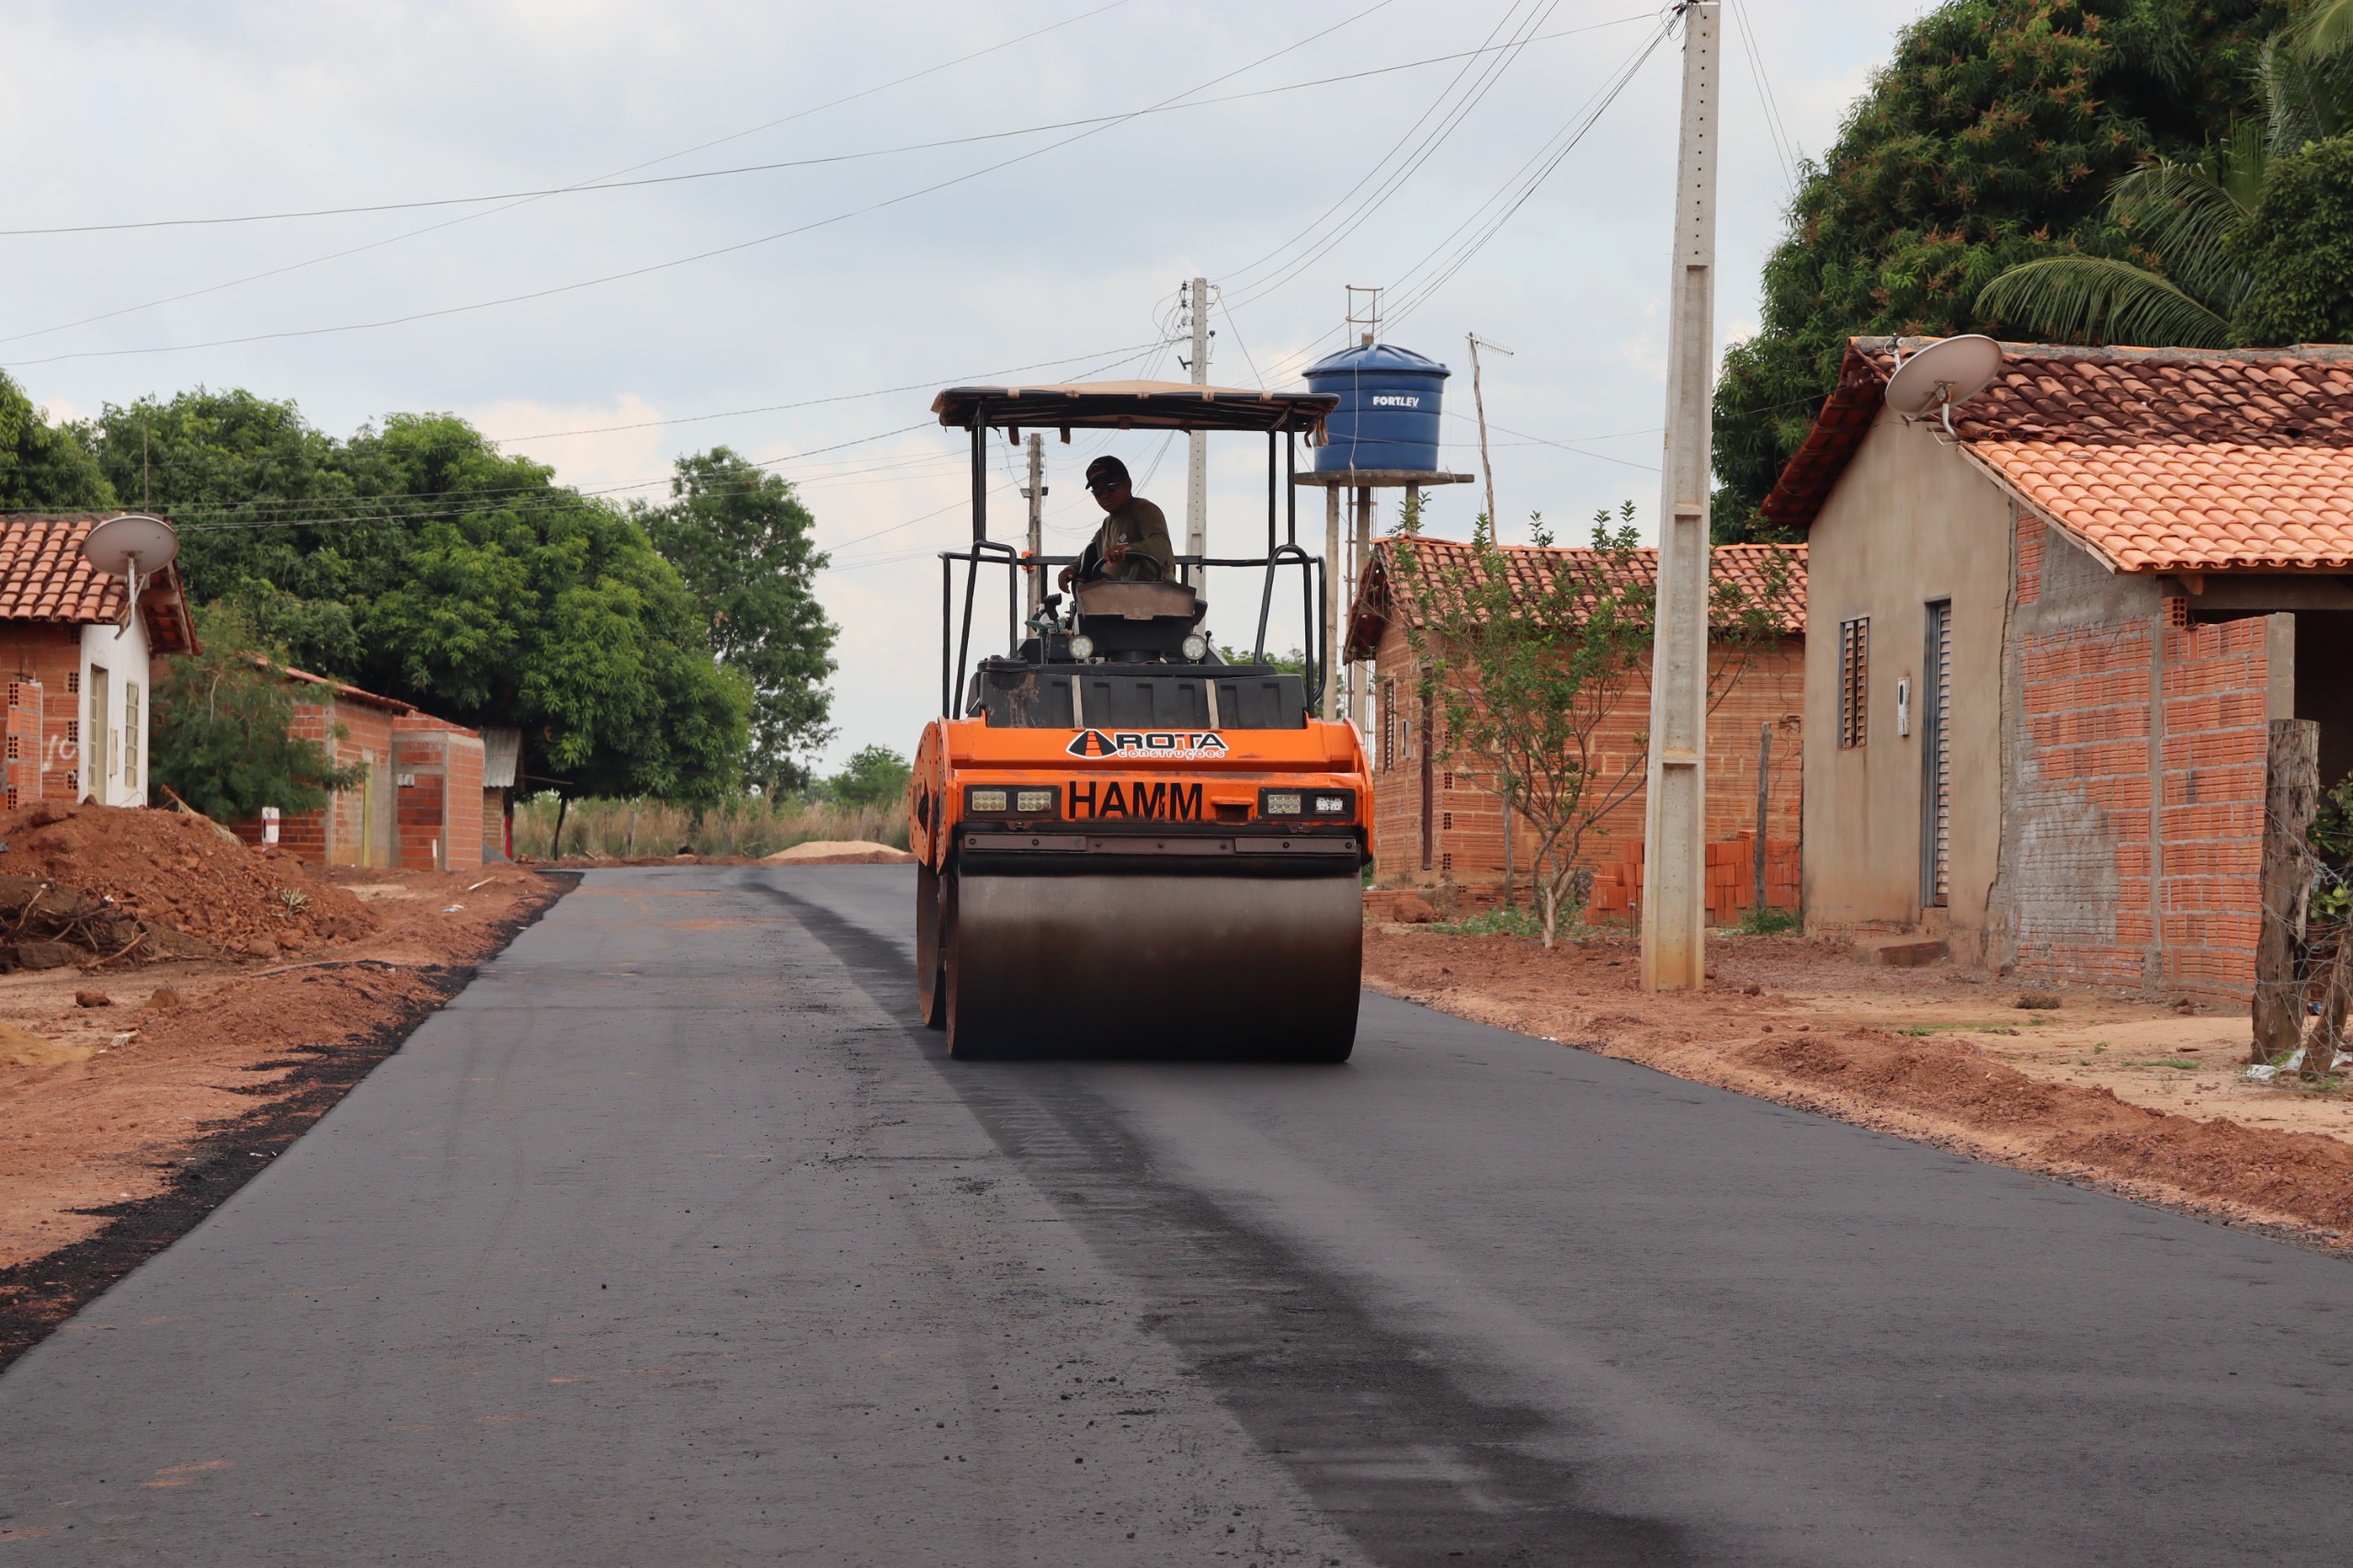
1100 485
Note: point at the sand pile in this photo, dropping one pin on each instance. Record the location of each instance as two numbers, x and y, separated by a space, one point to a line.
177 874
839 852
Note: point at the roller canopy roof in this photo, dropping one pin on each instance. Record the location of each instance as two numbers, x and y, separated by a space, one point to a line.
1132 405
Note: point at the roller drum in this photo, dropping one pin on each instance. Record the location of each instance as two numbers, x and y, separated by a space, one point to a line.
1248 967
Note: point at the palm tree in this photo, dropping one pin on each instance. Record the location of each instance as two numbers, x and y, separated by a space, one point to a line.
2184 215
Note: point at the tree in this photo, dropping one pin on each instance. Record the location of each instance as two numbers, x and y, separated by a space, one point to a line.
1990 139
1528 668
746 548
2245 244
875 776
418 560
221 728
44 467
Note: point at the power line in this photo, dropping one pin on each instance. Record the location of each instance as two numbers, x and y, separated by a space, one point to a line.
717 251
527 200
594 186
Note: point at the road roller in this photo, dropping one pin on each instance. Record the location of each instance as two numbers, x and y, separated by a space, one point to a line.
1130 844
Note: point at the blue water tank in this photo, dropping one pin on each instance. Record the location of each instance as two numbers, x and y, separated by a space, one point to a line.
1389 408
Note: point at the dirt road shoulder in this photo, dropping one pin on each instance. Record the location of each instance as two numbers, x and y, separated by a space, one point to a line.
2139 1097
131 1120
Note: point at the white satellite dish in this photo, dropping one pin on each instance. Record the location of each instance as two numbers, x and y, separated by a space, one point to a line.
1943 375
133 547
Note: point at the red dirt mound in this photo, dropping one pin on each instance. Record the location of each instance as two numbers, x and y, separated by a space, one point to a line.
2299 1174
177 871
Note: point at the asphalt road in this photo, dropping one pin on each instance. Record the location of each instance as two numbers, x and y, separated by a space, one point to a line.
673 1240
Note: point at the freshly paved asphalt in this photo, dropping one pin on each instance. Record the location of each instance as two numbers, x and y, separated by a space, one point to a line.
675 1241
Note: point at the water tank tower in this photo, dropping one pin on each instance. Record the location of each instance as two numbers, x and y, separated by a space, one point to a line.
1387 420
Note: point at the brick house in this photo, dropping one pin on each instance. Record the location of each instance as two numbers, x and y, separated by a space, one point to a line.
78 672
1438 822
2054 641
421 803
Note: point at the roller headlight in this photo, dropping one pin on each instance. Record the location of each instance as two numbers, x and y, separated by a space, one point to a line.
1082 646
1279 803
1033 802
984 800
1196 647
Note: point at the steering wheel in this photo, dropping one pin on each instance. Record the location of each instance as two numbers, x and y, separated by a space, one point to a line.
1098 572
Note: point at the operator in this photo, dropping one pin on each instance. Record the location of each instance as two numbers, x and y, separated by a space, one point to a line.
1132 543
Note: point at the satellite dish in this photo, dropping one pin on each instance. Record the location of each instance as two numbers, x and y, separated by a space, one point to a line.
133 547
1943 375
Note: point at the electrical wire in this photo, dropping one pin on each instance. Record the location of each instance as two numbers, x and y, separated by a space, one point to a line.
740 245
529 200
1784 144
1483 82
594 186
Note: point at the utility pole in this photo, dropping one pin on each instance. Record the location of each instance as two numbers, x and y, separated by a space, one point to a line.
1495 530
1479 402
1197 472
1675 807
1035 495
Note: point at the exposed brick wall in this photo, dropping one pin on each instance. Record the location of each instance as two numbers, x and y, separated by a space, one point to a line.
2217 725
2030 557
50 743
1467 817
439 811
2101 882
2079 815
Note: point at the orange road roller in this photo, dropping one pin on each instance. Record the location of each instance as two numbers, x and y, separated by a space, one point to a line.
1129 845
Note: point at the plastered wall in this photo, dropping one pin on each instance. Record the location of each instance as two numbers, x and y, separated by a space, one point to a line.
1911 521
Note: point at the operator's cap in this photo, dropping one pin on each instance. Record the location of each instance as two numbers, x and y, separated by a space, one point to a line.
1106 468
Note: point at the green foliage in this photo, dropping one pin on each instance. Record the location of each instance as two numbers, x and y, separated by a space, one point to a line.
745 547
44 467
417 561
876 776
1990 139
2298 249
219 728
1511 921
1769 921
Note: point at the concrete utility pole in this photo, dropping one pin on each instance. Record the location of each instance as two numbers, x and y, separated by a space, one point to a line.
1035 495
1334 573
1197 470
1675 807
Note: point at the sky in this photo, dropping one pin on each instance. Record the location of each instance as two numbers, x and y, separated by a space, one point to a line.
937 194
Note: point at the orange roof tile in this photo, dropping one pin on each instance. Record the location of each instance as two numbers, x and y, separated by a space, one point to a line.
1532 569
43 577
2160 459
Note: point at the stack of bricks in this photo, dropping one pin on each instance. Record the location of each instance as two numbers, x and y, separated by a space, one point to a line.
1730 881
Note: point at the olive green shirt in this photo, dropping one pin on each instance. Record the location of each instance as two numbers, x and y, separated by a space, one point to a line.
1141 526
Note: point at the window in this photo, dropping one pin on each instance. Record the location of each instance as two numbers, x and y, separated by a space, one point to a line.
131 734
1854 680
1388 724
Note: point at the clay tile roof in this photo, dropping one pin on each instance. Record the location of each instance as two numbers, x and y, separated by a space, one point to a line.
2157 459
1385 591
43 577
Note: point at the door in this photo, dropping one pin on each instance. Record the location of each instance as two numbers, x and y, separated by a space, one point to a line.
376 816
96 753
1935 758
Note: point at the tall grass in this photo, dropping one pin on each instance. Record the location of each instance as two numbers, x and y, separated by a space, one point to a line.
748 826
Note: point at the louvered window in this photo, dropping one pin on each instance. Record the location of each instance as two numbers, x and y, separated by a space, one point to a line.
1854 680
1936 712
